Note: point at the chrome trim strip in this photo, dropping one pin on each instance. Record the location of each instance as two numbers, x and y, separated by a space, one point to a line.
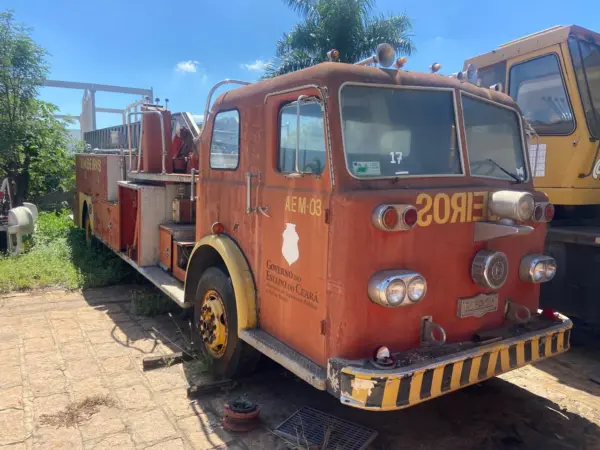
485 231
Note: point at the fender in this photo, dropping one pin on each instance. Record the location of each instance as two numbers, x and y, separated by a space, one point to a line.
239 270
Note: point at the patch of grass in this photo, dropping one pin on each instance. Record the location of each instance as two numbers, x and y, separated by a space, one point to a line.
78 412
61 257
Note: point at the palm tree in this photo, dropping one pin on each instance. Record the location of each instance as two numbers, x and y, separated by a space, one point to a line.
349 26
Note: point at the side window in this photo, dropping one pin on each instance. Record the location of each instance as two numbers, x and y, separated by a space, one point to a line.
538 88
312 154
225 143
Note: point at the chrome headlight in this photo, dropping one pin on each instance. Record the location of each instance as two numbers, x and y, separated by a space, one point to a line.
512 205
391 288
537 268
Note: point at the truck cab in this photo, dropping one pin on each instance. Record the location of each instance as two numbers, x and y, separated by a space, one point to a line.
554 77
374 231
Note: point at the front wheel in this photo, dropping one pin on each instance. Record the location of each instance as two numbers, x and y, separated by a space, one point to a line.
215 324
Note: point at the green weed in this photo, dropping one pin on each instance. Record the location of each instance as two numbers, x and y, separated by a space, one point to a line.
61 257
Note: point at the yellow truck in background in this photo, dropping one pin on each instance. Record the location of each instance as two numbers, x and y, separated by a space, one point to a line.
554 76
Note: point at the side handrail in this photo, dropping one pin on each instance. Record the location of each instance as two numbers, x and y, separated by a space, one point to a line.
209 98
162 134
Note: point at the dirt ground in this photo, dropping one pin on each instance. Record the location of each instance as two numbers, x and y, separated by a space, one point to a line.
61 350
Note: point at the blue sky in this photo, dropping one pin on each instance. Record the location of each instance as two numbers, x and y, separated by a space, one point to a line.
182 49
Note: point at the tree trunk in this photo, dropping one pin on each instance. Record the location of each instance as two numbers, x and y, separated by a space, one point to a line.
21 189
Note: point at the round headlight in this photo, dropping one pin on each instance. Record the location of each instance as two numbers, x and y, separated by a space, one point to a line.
525 207
416 289
395 292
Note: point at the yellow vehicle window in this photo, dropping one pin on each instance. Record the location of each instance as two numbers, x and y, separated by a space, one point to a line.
586 62
537 87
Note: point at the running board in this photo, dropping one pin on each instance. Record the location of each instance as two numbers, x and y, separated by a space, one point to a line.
289 358
170 285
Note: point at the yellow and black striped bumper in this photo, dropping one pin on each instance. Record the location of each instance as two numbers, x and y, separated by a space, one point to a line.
361 385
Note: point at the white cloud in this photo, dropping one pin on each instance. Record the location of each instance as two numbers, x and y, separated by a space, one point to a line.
198 118
257 66
187 66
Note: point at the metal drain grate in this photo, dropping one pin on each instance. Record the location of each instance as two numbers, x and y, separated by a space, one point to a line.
308 427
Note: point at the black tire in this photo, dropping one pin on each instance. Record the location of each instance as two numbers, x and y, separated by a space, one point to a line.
238 358
87 227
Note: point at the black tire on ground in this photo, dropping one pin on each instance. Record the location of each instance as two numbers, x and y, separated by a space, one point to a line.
239 358
87 227
90 239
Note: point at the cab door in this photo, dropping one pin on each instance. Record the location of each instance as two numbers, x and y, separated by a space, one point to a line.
293 195
543 85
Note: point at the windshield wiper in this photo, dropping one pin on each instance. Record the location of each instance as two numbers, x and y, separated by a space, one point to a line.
510 174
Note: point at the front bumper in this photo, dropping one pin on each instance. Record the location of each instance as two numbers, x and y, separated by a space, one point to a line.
427 373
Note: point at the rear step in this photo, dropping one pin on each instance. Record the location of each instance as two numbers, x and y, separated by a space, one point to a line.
289 358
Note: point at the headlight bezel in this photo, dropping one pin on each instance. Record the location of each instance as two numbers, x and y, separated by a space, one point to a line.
528 268
381 281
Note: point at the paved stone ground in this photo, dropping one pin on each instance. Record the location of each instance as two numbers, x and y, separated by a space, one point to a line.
57 348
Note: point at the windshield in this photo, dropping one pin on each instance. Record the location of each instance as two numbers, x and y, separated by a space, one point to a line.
392 132
494 141
586 62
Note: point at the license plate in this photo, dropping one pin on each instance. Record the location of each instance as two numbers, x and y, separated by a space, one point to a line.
477 306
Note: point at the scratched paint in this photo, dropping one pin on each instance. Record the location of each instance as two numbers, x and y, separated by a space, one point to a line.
359 384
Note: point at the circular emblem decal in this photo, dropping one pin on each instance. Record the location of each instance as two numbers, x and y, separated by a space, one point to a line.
596 171
498 271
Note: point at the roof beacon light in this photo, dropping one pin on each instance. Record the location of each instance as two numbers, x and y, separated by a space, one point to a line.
333 55
435 67
385 55
399 64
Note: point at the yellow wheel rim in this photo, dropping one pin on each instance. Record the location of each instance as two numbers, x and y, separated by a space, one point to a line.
212 324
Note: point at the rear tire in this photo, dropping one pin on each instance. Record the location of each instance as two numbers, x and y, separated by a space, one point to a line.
87 226
215 324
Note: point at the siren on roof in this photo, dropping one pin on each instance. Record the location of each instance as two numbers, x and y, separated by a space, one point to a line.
385 55
469 75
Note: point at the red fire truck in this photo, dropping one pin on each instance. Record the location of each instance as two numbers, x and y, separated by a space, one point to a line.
374 231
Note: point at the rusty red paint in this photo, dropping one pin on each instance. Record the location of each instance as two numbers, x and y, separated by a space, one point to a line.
314 249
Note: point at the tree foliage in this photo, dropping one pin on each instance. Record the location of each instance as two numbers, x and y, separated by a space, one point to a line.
33 144
348 26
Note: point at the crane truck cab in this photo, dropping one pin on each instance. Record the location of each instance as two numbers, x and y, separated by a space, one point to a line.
370 229
554 77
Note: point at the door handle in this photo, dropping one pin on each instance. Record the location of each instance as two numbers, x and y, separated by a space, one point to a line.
249 209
